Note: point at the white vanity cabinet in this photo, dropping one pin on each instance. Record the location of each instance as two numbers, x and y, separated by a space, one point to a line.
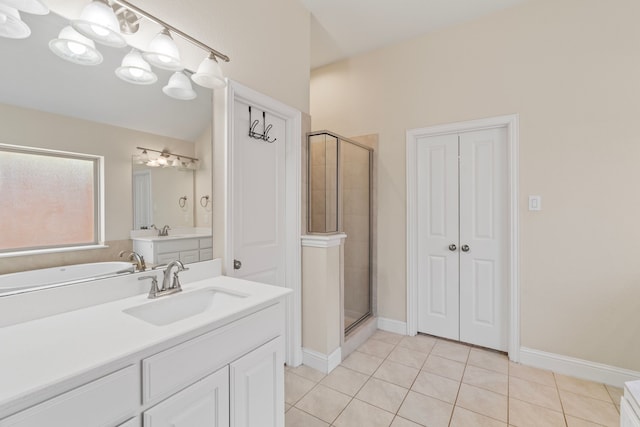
630 405
162 250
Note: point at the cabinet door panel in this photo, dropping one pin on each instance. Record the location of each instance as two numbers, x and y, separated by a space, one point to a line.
257 387
204 404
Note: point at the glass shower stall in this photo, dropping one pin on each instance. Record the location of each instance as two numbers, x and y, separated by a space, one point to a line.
339 201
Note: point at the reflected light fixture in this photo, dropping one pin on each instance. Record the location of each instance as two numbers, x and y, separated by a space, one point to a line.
99 22
34 7
74 47
179 87
180 161
11 26
209 73
136 70
163 52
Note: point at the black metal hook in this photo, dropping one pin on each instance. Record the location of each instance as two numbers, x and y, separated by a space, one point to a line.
265 129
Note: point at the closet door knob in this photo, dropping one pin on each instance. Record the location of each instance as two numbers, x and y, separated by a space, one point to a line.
237 265
452 247
465 248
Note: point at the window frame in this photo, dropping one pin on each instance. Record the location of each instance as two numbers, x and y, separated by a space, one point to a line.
98 201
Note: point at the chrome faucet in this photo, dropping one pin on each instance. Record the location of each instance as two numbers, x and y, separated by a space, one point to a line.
168 287
162 232
139 259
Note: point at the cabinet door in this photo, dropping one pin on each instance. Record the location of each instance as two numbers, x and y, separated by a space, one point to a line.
628 417
188 257
257 387
204 404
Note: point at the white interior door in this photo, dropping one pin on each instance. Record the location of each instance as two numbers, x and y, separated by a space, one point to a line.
258 198
142 212
462 236
437 204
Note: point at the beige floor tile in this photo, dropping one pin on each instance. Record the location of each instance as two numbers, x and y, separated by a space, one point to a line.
382 394
444 367
436 386
362 362
532 374
307 372
587 408
388 337
482 401
583 387
396 373
421 343
487 359
359 413
376 348
451 350
577 422
345 380
615 393
324 403
295 387
402 422
523 414
425 410
465 418
287 407
408 357
297 418
535 393
484 378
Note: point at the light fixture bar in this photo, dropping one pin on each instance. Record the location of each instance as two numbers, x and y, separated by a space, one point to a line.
171 28
168 153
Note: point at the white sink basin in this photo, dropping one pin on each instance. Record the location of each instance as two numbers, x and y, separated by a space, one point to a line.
172 308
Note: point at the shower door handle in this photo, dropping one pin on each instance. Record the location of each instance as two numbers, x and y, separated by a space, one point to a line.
237 264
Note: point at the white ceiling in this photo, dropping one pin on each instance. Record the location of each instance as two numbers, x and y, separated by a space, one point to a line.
343 28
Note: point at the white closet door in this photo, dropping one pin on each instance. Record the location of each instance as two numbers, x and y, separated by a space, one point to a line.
437 159
483 229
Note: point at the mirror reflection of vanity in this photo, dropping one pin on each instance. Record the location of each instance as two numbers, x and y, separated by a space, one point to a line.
49 103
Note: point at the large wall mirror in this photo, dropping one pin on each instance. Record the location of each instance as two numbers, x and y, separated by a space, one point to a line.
50 103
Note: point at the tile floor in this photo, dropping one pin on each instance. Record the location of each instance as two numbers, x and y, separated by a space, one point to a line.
398 381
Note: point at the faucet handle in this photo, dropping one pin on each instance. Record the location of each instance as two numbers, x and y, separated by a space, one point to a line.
176 282
153 292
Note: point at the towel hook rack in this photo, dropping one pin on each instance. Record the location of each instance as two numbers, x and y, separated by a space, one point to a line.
265 129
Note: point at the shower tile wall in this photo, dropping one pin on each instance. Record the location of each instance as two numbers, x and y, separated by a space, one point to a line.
323 187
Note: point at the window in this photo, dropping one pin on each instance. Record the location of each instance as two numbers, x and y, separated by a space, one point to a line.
48 199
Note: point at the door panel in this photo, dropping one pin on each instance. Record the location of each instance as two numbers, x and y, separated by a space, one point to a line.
437 183
258 196
483 227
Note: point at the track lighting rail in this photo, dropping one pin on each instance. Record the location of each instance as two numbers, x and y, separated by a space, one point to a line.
171 28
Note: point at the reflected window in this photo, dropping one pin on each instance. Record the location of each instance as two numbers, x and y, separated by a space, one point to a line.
48 199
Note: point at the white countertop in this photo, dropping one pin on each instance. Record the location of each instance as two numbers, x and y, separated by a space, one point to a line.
39 354
157 238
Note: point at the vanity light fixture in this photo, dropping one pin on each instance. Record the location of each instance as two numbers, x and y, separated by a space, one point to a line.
136 70
74 47
163 52
11 26
209 73
98 21
179 87
164 159
34 7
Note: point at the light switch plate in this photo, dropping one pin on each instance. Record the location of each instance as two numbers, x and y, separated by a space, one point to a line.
535 203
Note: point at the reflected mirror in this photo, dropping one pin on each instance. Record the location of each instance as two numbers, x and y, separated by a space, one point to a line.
47 102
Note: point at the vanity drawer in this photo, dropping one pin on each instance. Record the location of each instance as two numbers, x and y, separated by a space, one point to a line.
206 254
106 401
167 258
190 256
177 245
206 242
178 367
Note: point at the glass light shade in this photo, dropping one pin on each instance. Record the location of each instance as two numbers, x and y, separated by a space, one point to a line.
99 23
209 74
163 52
176 162
11 26
144 156
74 47
34 7
179 87
136 70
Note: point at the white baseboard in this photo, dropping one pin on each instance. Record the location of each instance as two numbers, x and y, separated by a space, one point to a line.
578 368
322 362
391 325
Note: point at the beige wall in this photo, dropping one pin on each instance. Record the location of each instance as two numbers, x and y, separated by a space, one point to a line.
571 69
203 179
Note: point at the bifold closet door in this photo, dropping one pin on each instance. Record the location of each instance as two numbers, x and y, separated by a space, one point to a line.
462 237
